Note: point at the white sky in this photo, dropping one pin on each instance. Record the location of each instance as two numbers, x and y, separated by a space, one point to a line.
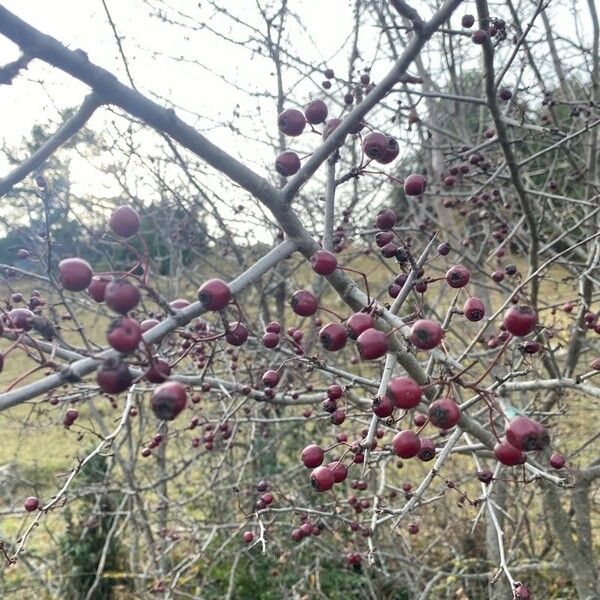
83 24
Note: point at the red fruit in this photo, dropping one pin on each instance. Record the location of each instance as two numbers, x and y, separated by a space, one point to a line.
316 112
124 334
329 73
291 122
505 94
287 163
70 417
270 340
248 537
237 334
148 324
480 36
375 145
426 334
333 337
330 127
303 303
497 276
338 416
557 460
97 287
270 378
485 476
522 592
75 274
525 434
323 262
322 479
159 371
179 303
419 420
444 413
389 250
168 400
413 529
383 238
297 535
312 456
21 318
385 219
31 504
427 451
214 294
508 455
113 376
474 309
125 221
404 392
406 444
520 320
458 276
391 152
357 324
467 21
372 344
339 470
121 296
414 185
382 406
273 327
335 392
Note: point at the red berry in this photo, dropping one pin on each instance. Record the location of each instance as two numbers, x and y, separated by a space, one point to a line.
372 344
485 476
557 460
335 392
287 163
70 417
333 337
382 406
375 145
444 413
426 334
480 36
168 400
75 274
391 152
237 334
316 112
114 376
124 334
458 276
405 392
414 185
330 127
312 456
525 434
467 21
427 451
522 592
339 470
31 504
214 294
323 262
291 122
270 378
322 479
505 94
148 324
508 455
385 219
406 444
520 320
125 221
357 323
21 318
121 296
419 420
248 537
97 287
159 371
474 309
303 303
270 340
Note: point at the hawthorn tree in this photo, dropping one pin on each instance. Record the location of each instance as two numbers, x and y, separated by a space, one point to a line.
364 369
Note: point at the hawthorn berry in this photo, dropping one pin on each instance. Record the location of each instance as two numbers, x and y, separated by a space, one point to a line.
291 122
520 320
404 392
124 221
444 413
333 337
168 400
287 163
316 112
121 296
508 455
323 262
322 479
312 456
414 185
406 444
372 344
474 309
304 303
75 274
458 276
214 294
426 334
